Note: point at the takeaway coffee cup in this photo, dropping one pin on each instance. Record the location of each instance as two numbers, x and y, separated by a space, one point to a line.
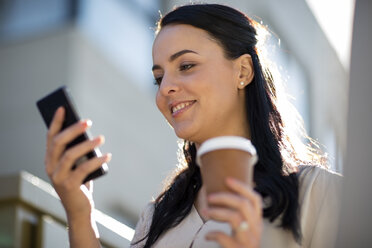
226 156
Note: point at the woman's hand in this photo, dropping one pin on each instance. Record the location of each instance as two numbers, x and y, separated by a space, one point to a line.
242 209
76 198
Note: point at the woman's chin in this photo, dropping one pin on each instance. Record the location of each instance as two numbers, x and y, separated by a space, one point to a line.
184 133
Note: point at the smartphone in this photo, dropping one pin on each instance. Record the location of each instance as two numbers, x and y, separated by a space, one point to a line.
48 106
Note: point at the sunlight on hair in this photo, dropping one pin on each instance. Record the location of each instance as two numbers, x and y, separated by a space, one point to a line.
296 146
180 155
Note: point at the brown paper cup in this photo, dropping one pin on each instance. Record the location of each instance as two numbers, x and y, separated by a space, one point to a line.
226 156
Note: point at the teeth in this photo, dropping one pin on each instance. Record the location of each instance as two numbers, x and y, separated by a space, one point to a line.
180 106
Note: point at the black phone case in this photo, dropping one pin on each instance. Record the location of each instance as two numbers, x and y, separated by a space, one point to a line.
48 106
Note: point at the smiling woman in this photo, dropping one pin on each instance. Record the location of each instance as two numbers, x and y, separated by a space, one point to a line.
212 81
194 78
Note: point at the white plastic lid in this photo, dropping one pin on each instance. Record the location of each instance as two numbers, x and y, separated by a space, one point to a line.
227 142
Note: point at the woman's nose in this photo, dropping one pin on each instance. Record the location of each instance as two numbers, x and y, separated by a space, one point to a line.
169 85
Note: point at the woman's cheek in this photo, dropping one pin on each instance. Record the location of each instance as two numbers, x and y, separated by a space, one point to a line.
160 103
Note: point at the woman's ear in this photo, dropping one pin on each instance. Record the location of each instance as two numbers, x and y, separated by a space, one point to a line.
245 69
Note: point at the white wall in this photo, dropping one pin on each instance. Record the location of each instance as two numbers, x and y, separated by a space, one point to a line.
356 217
28 70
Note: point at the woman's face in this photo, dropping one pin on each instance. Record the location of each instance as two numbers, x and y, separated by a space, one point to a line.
198 92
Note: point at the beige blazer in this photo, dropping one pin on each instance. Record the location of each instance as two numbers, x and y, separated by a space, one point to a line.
318 198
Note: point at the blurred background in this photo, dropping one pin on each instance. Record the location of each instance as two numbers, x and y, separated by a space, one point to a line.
101 49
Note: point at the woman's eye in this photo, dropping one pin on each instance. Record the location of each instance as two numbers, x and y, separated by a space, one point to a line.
186 67
157 80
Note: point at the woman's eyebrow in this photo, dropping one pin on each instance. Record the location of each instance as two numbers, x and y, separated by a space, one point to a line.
175 56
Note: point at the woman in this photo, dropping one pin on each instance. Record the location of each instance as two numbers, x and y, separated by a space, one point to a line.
212 82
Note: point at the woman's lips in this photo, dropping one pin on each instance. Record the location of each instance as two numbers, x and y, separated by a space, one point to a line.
180 107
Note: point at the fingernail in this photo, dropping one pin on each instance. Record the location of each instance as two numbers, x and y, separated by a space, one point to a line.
101 139
98 140
88 123
108 157
230 180
60 111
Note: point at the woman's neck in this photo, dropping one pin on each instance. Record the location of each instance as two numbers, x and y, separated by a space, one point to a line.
201 203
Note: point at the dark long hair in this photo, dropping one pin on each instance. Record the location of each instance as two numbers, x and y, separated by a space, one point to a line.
275 173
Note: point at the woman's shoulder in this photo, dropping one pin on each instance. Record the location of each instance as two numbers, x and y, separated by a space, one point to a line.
319 194
148 210
143 225
146 214
313 175
317 182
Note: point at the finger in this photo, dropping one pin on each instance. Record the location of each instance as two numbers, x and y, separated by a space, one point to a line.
235 202
56 124
54 128
225 215
247 192
240 204
76 177
71 155
84 169
223 239
63 138
235 219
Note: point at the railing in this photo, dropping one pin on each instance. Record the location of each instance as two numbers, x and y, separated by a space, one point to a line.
31 215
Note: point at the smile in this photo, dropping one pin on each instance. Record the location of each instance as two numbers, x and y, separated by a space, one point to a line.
180 107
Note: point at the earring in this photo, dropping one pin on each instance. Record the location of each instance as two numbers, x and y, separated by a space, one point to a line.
242 83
